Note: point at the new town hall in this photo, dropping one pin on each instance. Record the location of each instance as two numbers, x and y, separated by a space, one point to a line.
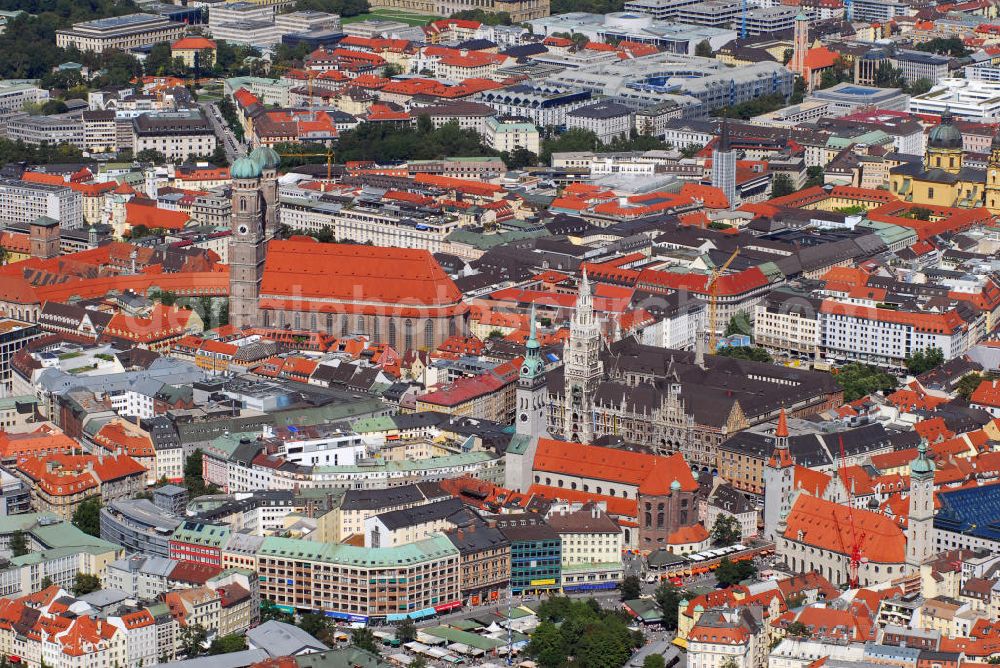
669 400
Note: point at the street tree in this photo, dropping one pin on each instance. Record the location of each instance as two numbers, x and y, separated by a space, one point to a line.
730 573
85 583
87 516
782 185
406 631
365 639
631 588
668 596
726 530
19 544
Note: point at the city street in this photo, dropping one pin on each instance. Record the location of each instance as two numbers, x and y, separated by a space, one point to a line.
232 147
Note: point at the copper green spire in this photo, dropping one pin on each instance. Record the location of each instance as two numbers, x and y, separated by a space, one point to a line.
532 343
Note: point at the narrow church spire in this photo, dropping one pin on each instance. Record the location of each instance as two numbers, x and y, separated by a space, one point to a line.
532 342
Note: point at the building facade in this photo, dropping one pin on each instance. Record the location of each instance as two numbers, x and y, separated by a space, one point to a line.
119 32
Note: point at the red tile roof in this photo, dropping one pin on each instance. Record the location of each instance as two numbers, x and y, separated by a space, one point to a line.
617 506
830 526
352 272
66 475
192 43
162 323
938 323
41 442
115 436
652 474
145 212
695 533
987 394
729 284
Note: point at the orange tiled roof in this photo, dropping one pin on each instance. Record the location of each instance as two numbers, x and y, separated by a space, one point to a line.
145 212
193 43
67 475
308 269
933 429
987 394
115 436
820 57
830 526
652 474
695 533
938 323
617 506
163 322
40 442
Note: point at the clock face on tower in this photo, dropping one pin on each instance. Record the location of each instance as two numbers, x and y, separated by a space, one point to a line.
524 369
524 417
242 229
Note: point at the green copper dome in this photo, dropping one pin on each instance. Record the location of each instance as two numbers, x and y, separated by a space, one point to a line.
945 134
921 464
266 157
245 168
533 365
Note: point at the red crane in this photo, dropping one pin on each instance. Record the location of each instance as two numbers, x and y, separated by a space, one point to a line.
855 556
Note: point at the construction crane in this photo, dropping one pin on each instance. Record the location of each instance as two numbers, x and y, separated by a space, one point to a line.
713 300
855 557
329 159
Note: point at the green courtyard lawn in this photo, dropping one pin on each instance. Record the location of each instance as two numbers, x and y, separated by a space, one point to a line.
401 15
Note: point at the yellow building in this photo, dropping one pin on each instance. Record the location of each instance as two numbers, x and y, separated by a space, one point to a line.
993 177
16 247
189 48
943 179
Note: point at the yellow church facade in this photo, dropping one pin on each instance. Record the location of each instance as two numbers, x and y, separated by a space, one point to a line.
943 179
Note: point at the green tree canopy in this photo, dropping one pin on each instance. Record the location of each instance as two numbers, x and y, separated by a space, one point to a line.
799 89
752 353
380 141
519 158
919 87
631 588
668 596
87 516
19 544
726 530
945 46
484 17
782 185
342 7
968 384
592 636
814 176
314 624
923 361
797 629
269 611
192 640
227 644
860 380
730 573
365 639
85 583
755 107
547 646
406 631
